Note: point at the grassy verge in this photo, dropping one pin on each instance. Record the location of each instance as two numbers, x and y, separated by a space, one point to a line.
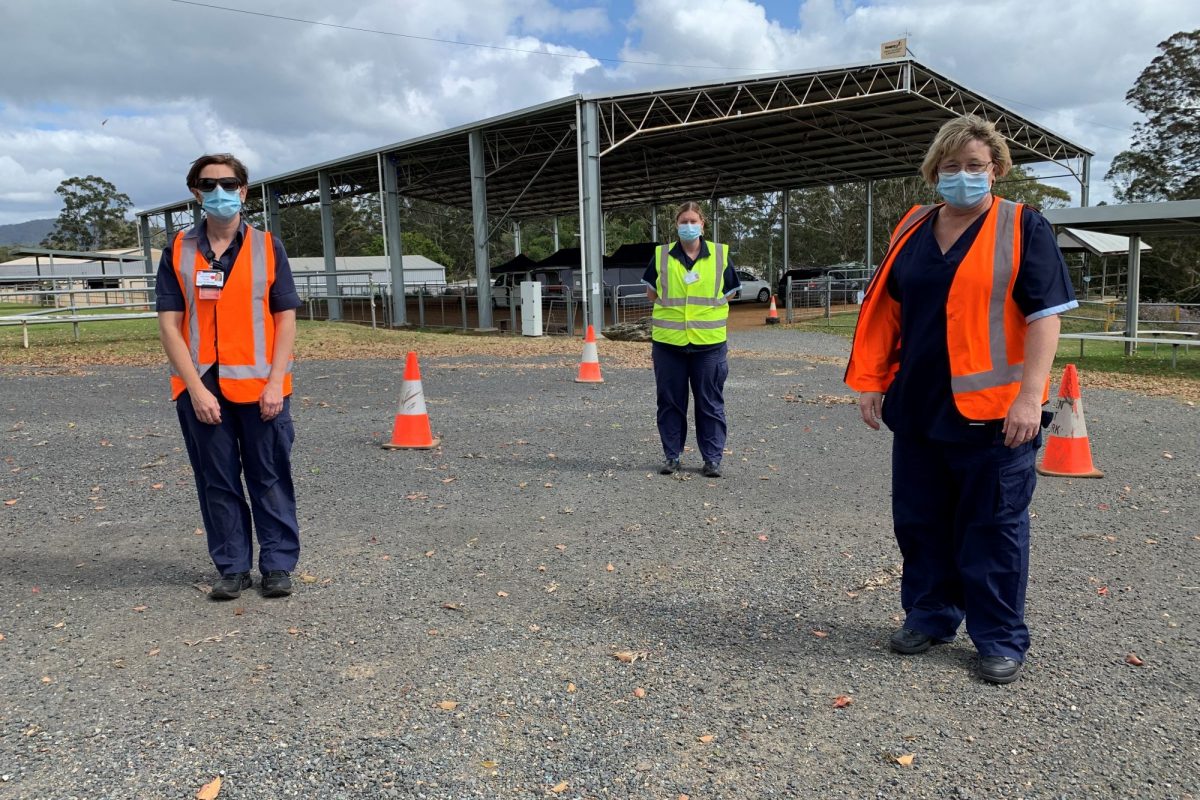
1105 363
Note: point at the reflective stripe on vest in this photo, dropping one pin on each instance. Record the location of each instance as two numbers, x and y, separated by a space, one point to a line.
680 309
243 371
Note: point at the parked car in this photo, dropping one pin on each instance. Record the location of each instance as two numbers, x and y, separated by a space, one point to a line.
754 288
805 284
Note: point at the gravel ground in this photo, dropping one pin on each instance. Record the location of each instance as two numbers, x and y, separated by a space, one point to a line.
454 631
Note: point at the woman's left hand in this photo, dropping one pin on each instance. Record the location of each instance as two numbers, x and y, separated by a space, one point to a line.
1023 422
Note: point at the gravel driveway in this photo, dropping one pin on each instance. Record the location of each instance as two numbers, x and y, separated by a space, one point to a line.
455 628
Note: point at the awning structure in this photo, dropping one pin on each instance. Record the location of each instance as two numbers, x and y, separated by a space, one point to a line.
1174 218
1095 242
577 155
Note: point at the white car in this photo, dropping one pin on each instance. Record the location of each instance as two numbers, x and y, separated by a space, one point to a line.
754 289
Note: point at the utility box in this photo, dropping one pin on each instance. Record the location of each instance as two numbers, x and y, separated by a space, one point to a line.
531 308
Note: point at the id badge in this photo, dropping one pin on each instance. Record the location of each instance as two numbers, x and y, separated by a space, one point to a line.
690 276
209 283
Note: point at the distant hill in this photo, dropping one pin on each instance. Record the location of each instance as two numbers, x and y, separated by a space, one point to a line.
28 233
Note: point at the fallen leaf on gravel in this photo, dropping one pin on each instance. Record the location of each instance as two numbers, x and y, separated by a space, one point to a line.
237 612
447 705
385 558
430 553
489 764
10 502
706 738
198 532
560 547
841 701
1102 591
548 485
293 631
684 797
209 791
449 480
609 568
762 537
156 486
639 692
541 567
47 679
140 609
501 594
571 688
1 637
1168 456
551 587
153 652
630 656
61 624
452 606
851 595
203 587
820 634
535 628
1133 660
560 787
905 760
306 578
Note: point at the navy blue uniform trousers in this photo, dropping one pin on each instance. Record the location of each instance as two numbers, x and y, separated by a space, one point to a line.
220 454
677 368
961 513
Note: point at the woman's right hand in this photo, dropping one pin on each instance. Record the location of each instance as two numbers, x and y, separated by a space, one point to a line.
206 405
870 406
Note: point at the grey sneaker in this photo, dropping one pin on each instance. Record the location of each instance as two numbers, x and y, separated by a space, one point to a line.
669 466
711 470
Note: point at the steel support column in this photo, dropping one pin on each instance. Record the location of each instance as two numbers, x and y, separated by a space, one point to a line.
787 236
479 216
516 238
271 210
654 222
393 242
714 230
197 213
870 224
1085 183
590 241
144 226
1132 286
329 247
556 245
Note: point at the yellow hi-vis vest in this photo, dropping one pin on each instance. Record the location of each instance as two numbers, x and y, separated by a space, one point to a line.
696 312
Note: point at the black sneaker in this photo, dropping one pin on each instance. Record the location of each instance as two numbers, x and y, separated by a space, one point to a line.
669 467
711 470
998 669
910 642
230 586
276 583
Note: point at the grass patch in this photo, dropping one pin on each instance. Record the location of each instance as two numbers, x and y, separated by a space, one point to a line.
1106 364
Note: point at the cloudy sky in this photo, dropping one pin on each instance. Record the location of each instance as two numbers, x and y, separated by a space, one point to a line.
133 90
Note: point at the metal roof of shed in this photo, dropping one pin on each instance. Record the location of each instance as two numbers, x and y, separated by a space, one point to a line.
1174 218
755 134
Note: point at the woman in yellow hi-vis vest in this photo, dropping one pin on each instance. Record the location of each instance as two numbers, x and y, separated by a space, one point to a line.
690 283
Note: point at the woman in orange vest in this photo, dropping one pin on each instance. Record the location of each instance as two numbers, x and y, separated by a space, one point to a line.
952 352
226 306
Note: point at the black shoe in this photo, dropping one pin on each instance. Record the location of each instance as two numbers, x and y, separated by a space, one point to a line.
276 583
669 467
906 640
711 470
999 669
230 586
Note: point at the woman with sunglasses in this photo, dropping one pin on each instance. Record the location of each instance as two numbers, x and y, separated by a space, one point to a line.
952 352
226 306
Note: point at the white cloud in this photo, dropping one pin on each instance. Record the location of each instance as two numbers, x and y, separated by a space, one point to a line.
174 80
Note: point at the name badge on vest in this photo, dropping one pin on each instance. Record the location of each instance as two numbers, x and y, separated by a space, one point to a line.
209 282
690 276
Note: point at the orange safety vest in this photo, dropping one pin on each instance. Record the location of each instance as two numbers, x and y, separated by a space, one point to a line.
237 331
985 329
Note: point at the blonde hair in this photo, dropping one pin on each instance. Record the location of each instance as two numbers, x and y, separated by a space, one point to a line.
690 205
957 134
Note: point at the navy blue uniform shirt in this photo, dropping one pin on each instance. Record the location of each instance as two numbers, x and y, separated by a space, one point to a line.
919 401
169 294
730 281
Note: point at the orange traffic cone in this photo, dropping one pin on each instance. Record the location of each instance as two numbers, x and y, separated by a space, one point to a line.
589 367
411 429
773 313
1068 454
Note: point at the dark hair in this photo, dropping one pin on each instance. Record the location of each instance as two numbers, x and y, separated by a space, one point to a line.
228 159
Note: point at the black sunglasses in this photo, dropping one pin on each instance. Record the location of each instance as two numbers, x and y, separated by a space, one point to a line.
208 184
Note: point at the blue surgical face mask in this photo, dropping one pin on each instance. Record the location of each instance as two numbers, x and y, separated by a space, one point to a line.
688 231
222 205
962 189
